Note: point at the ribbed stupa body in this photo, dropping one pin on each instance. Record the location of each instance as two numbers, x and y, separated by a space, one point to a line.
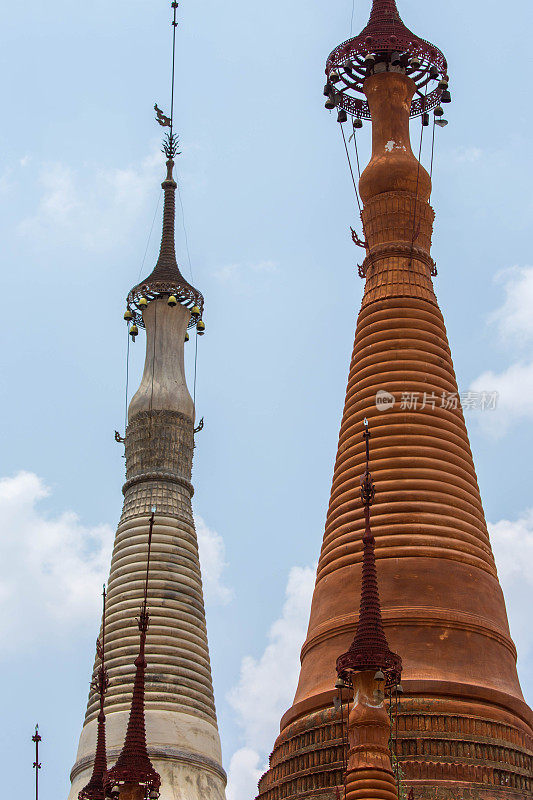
464 729
181 725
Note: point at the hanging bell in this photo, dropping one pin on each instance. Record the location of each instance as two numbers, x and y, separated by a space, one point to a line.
379 676
370 60
348 66
425 119
443 84
330 102
441 122
128 315
399 689
414 62
357 123
439 111
154 794
446 97
200 327
334 76
340 683
134 330
433 72
143 302
187 337
327 89
195 311
172 301
395 59
342 116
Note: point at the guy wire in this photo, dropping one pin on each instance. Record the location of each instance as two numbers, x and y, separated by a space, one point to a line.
150 234
357 153
185 230
413 236
195 369
350 166
127 377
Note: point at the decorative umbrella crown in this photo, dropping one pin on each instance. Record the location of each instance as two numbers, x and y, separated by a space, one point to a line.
385 44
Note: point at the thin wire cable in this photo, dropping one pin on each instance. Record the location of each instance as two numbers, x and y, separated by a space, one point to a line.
153 371
350 166
185 231
150 235
174 26
195 370
413 235
432 147
357 153
351 23
127 379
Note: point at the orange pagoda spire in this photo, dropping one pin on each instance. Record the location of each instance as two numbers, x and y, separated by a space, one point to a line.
463 729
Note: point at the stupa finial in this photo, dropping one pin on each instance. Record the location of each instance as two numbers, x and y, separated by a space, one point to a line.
385 44
133 767
166 279
369 649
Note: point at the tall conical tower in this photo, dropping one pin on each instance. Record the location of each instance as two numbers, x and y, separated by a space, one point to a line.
464 730
181 725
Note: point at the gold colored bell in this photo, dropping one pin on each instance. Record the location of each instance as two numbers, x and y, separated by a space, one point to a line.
128 315
143 302
172 301
200 327
195 311
187 337
134 330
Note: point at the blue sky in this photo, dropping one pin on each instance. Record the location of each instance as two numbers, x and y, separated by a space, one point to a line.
268 204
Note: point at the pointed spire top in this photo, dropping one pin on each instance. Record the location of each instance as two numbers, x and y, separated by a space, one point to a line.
384 11
385 43
369 649
95 788
166 278
133 767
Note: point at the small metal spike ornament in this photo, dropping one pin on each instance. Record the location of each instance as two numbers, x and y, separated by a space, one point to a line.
36 764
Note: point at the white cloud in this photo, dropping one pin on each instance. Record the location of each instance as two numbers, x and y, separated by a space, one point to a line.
266 686
512 542
513 322
243 774
213 563
515 401
514 318
233 272
467 155
53 566
95 207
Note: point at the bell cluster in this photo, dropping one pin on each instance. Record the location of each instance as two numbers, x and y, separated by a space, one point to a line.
345 82
172 301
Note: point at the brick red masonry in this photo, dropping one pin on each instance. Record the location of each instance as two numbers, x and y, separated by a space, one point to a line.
464 728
